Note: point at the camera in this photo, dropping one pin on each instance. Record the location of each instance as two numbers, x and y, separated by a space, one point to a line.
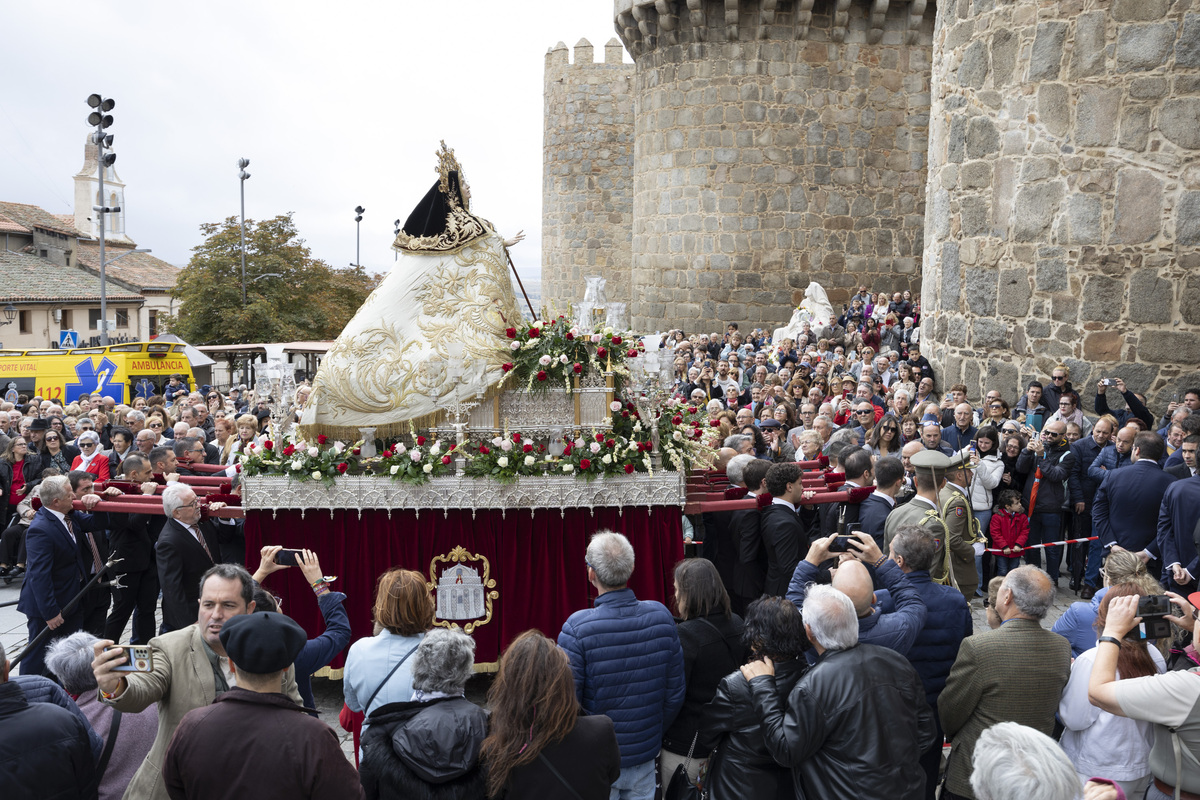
1154 625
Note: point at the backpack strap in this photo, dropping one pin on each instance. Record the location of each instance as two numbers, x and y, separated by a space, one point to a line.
559 775
367 705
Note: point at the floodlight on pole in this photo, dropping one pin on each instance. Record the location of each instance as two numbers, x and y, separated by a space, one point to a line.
242 177
397 254
358 215
101 120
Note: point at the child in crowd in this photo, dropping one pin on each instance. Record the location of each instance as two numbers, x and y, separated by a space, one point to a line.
1010 531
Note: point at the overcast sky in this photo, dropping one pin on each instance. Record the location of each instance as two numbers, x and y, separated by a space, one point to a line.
335 104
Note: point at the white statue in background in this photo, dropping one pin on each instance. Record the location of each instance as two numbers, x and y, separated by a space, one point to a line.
815 310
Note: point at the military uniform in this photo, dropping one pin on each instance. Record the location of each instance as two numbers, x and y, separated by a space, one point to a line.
956 510
919 511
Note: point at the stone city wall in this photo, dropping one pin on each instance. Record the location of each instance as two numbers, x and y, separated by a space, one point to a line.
1063 214
774 149
587 174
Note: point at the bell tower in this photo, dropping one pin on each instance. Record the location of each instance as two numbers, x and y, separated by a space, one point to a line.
87 188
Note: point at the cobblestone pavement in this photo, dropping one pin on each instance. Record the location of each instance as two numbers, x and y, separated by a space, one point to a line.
328 693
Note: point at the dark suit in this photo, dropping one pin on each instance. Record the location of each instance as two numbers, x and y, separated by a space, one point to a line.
750 570
785 541
1179 470
1125 510
1177 518
181 563
828 513
1015 673
55 572
872 514
133 540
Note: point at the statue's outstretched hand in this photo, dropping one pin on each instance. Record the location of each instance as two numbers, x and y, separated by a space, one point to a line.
519 237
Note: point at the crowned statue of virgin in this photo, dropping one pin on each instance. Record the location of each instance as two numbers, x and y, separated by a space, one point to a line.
450 286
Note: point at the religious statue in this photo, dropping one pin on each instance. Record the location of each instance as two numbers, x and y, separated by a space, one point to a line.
815 310
388 368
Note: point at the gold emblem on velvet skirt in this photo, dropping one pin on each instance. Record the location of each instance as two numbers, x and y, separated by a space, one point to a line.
463 589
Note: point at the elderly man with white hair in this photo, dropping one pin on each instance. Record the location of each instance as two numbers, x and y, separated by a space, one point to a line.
186 548
1016 762
857 722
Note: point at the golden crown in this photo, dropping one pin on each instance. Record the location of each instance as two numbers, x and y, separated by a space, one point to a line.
447 163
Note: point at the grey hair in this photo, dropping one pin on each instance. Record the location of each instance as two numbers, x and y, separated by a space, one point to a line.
444 661
173 497
916 546
54 488
1030 595
70 659
736 440
714 406
1015 762
610 555
135 415
830 617
88 436
182 446
737 466
899 392
844 436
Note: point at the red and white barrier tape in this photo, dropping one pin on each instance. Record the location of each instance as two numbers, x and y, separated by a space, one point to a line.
1000 552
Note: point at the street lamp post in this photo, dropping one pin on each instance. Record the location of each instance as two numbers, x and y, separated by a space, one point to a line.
242 176
397 232
101 119
358 214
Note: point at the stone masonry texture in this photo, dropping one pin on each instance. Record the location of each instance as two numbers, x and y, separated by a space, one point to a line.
587 176
1063 219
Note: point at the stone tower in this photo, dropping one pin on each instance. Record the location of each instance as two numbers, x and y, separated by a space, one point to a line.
776 143
87 194
1063 218
587 175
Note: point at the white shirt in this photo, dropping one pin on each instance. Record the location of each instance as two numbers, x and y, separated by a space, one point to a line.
891 501
780 501
63 519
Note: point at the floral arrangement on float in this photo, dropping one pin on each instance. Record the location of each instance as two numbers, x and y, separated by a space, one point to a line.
318 461
551 352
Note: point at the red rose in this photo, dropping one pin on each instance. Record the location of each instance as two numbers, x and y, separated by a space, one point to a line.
322 439
691 410
570 336
289 449
388 453
616 340
357 451
599 437
510 333
578 368
507 366
483 449
516 437
541 448
535 333
567 448
630 406
239 469
420 441
632 353
610 443
624 415
629 469
676 420
714 423
585 463
601 352
527 448
541 376
269 445
446 459
342 467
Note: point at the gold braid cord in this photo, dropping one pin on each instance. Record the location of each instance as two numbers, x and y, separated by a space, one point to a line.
379 372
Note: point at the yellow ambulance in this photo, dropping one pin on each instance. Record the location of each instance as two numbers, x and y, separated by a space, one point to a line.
120 371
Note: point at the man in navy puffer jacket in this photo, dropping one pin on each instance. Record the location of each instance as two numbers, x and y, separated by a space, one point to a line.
947 622
627 663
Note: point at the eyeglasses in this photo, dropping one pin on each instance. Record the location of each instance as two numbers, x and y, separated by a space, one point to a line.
1059 377
887 428
156 424
864 411
87 444
51 438
996 407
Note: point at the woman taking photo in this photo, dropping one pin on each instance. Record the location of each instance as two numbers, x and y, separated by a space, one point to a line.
710 635
379 669
1014 443
539 744
884 438
91 458
742 767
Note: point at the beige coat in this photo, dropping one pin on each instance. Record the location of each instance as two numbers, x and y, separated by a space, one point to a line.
182 680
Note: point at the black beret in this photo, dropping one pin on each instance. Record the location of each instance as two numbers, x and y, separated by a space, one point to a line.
262 643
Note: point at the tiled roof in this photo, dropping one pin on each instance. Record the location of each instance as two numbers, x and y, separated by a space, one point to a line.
69 221
33 217
29 278
141 270
8 226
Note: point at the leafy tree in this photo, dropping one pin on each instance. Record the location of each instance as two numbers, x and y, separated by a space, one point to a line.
309 300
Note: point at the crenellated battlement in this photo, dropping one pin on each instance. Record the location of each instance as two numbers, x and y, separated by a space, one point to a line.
559 56
645 25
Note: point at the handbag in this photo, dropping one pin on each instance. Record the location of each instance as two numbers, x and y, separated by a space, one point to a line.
680 787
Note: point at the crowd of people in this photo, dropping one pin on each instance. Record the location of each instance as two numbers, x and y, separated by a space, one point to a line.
813 651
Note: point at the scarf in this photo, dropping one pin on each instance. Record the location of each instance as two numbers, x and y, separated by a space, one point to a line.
85 461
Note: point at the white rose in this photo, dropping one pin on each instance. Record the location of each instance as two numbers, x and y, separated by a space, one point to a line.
607 459
594 447
548 458
615 405
502 461
596 338
568 467
637 426
415 455
401 449
313 452
562 359
677 436
544 361
530 461
537 323
436 449
574 331
338 447
297 464
515 345
496 441
428 468
395 468
608 331
506 445
579 442
316 475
